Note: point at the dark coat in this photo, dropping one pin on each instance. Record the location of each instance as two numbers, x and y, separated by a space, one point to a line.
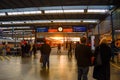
102 72
83 55
45 49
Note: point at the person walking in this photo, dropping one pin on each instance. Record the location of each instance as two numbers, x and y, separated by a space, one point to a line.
45 53
70 49
59 49
102 71
34 49
83 55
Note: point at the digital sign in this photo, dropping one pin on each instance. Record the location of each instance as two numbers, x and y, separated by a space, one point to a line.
52 30
42 29
79 29
68 30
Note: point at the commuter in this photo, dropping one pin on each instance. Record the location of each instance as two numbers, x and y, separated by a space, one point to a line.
102 71
77 43
34 49
83 56
4 49
27 49
114 50
45 53
70 49
59 48
8 50
23 49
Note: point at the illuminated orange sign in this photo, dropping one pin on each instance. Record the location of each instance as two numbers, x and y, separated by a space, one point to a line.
52 30
68 30
64 30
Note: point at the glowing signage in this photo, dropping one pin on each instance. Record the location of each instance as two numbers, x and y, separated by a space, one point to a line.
52 30
79 29
42 29
68 30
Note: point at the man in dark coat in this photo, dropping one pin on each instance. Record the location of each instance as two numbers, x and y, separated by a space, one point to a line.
83 56
45 53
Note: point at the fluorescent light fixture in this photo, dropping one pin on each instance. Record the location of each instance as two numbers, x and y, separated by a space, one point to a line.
6 31
117 30
4 27
64 11
2 14
38 21
22 27
53 11
45 21
64 21
90 21
24 13
18 22
97 10
6 23
73 11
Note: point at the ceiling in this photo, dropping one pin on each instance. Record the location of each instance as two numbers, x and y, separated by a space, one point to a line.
19 5
12 4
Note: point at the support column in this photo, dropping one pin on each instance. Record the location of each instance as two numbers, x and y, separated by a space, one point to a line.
113 32
35 36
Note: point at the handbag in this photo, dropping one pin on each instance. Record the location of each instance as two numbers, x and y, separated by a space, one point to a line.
98 60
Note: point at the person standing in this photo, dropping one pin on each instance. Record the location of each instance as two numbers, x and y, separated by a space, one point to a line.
102 71
45 53
83 55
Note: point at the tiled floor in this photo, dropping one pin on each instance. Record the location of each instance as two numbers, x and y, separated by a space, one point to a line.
61 68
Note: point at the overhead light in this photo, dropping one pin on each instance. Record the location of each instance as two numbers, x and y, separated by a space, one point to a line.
64 11
48 21
53 11
97 10
66 21
38 21
6 31
90 21
24 13
73 11
18 22
24 27
6 23
2 14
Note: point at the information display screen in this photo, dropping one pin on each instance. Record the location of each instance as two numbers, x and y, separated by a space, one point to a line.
79 29
42 29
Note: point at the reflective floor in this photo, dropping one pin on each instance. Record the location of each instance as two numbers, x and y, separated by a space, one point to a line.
62 67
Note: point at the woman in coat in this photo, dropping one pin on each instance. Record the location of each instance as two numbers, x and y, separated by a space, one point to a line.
102 72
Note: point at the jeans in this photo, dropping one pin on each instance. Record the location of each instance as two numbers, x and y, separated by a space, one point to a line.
82 73
45 61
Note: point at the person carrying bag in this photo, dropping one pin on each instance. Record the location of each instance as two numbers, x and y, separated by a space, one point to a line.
102 56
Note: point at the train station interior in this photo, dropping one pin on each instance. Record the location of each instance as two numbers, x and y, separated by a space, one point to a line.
56 22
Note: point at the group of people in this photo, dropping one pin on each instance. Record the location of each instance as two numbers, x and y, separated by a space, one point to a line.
5 49
85 58
27 49
100 60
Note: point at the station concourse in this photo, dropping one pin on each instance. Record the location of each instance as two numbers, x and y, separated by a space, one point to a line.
58 22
